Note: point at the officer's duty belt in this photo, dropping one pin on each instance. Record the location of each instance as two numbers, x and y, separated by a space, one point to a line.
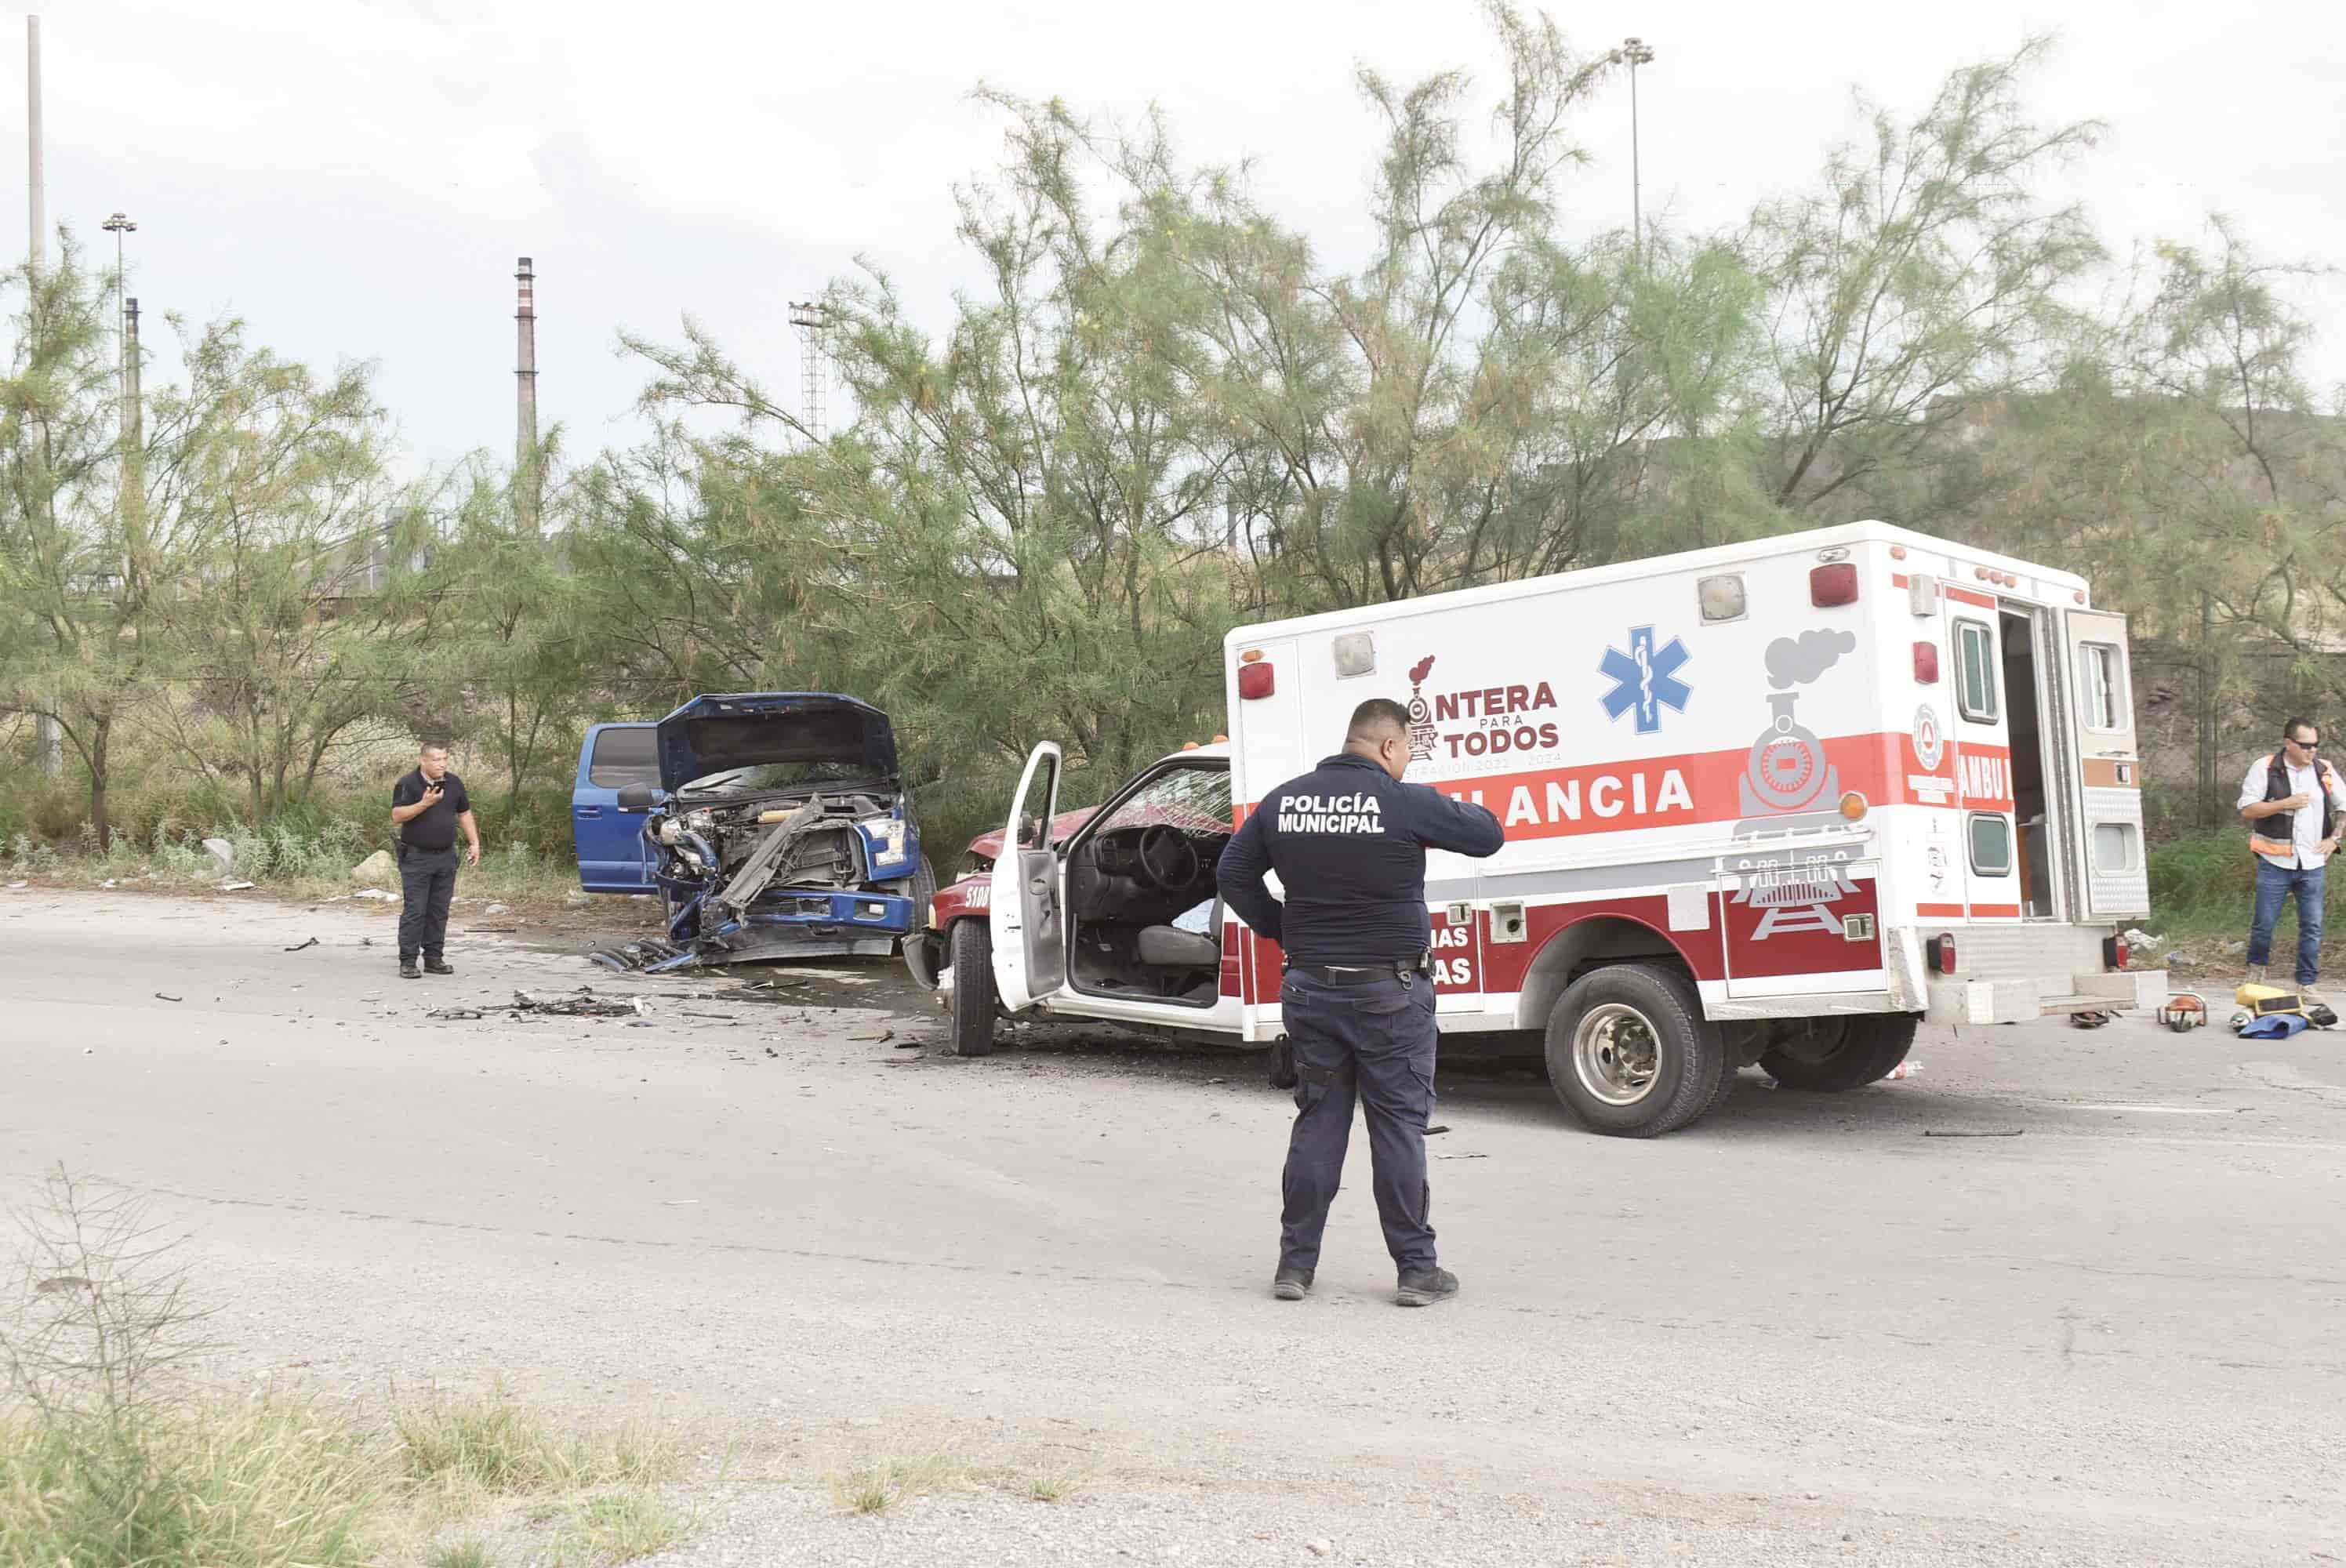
1403 970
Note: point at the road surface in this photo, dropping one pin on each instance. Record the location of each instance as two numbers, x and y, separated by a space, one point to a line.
1809 1328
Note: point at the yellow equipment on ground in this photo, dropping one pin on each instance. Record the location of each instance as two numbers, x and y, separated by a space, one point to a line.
2257 1001
2261 1000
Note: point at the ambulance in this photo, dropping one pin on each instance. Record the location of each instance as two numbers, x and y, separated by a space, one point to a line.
1777 802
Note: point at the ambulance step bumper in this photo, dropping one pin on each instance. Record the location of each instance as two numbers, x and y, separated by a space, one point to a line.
1955 1000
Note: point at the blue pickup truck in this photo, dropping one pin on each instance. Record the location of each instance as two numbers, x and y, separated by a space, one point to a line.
771 824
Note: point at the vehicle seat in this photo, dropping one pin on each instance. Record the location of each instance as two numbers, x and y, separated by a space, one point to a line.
1170 947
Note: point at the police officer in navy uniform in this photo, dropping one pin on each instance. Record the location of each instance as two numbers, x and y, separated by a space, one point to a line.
428 806
1348 841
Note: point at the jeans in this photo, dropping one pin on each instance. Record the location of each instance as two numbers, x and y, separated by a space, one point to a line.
427 878
1373 1043
2274 886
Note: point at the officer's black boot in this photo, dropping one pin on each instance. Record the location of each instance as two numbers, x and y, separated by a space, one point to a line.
437 966
1426 1287
407 970
1292 1284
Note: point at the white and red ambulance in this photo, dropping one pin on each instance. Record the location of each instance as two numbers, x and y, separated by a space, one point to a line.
1775 802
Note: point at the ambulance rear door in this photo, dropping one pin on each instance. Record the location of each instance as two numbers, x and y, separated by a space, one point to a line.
1987 846
2108 780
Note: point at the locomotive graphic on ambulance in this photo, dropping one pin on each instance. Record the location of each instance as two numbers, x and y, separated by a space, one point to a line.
1776 803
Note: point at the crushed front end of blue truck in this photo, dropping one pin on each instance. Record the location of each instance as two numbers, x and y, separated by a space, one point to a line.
780 829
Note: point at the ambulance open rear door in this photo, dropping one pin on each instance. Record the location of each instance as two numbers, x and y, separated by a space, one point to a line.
2108 767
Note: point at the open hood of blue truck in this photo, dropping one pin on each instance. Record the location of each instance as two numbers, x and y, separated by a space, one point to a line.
813 734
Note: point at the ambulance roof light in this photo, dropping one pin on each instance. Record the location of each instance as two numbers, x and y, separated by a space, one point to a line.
1250 656
1853 805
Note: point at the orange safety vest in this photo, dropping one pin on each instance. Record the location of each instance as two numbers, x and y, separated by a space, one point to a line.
2264 842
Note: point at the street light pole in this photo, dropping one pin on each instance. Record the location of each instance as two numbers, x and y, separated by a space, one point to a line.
130 437
118 225
1634 52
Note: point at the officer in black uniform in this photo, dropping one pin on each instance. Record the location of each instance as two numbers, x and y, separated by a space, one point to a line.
1348 841
428 806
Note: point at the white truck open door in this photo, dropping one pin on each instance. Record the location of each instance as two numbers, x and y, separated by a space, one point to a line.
1026 914
2109 767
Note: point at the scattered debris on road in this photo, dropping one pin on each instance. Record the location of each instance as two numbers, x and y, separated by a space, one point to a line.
1954 1133
160 997
376 893
629 957
236 887
580 1004
299 946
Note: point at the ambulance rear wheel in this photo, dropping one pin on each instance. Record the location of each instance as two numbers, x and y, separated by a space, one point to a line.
1832 1054
1630 1053
974 996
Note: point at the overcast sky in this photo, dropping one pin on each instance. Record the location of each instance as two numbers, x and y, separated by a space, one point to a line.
356 178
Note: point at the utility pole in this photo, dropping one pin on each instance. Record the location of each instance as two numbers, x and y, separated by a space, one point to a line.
40 220
134 458
805 315
526 480
2208 737
1634 52
48 740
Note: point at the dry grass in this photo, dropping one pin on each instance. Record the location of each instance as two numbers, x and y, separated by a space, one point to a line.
1051 1483
271 1481
617 1527
881 1482
109 1454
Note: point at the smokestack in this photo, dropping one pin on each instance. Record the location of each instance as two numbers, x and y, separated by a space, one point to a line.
40 222
525 480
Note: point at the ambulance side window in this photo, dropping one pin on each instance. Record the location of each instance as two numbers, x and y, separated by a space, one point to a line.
1990 838
2101 686
1976 671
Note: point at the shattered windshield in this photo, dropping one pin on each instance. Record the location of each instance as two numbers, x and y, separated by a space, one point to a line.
761 777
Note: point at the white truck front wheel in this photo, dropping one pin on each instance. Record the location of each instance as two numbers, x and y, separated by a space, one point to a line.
975 1000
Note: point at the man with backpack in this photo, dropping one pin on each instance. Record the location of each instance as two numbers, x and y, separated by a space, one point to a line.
2291 802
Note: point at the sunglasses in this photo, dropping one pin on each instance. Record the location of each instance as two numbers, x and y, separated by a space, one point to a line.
2307 744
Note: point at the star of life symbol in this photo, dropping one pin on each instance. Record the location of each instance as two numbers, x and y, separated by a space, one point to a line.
1645 678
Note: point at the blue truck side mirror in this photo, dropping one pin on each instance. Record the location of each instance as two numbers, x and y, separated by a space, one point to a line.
636 797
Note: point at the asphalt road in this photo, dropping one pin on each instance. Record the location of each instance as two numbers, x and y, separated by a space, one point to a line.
1810 1329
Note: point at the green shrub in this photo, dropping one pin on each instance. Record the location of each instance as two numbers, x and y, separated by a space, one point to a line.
2207 881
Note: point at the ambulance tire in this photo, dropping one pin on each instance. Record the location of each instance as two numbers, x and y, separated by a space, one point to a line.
1871 1046
1637 1098
974 996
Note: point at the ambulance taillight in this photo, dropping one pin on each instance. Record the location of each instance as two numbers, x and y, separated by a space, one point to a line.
1255 677
1926 663
1942 952
1833 584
